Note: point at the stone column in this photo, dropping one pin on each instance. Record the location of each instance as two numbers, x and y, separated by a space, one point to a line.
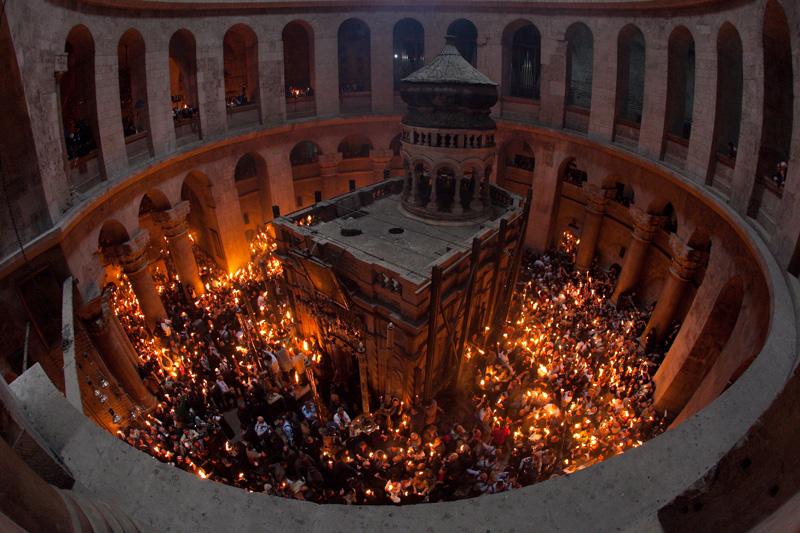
644 229
592 222
415 199
111 344
173 223
457 208
479 187
133 259
685 261
29 502
433 205
329 169
381 161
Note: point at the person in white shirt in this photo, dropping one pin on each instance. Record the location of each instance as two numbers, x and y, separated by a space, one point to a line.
341 419
262 429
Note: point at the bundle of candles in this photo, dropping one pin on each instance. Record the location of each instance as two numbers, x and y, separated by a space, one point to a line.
563 386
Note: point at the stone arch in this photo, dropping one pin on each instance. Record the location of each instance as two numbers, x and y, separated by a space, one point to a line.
354 56
408 45
79 107
183 86
112 233
624 191
631 48
242 84
516 164
355 146
154 201
663 207
580 65
778 100
202 219
133 94
680 83
304 153
685 367
730 90
298 69
466 35
252 183
573 172
522 64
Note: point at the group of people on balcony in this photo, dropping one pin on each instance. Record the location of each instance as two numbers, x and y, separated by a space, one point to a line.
79 138
351 88
238 100
298 92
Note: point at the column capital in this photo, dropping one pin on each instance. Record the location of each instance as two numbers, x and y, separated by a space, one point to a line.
132 255
96 314
173 221
685 259
645 224
381 159
597 197
329 163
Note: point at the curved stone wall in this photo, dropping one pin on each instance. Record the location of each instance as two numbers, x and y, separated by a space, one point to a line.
750 226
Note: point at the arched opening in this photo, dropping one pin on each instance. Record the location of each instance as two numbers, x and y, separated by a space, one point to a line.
202 218
522 49
623 192
133 97
252 183
242 87
776 129
112 233
298 69
630 84
306 178
354 146
573 173
580 70
183 87
466 35
671 216
408 39
580 65
354 67
517 162
685 367
153 202
79 111
680 83
728 112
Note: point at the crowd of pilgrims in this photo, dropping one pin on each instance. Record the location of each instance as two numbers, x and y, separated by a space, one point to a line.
566 386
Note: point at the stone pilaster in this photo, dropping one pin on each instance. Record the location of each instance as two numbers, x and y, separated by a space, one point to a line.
114 346
685 261
132 257
597 198
644 229
329 169
173 222
381 161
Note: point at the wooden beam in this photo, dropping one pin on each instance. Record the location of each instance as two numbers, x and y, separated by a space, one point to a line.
433 327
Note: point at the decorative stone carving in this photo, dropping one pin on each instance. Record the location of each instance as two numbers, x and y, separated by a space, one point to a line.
685 260
645 224
173 222
597 197
381 159
132 255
